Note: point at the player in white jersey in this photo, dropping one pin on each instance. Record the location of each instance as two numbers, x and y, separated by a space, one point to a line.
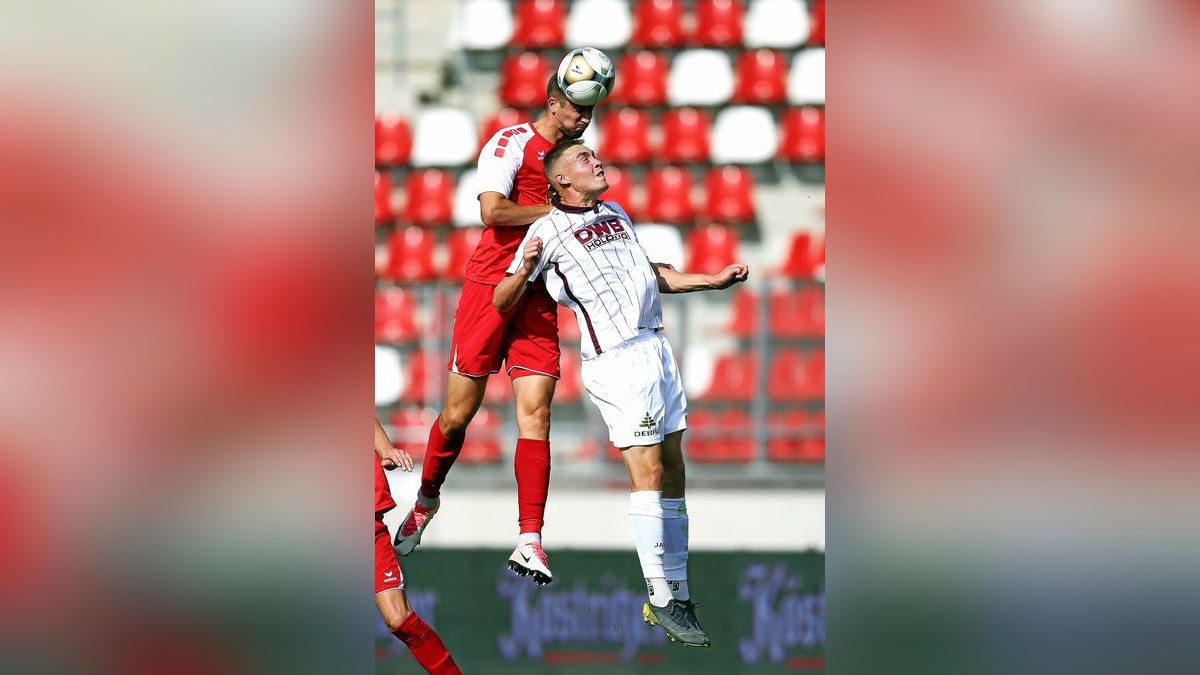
588 253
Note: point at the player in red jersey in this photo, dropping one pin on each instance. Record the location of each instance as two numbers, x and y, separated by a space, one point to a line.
513 192
390 598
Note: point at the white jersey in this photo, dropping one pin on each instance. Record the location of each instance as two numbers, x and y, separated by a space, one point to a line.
593 265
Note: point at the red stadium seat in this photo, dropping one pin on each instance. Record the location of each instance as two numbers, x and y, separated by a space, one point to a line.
734 378
761 77
570 384
483 441
658 24
803 137
798 313
523 80
506 117
738 430
711 248
701 438
721 437
729 194
393 140
395 316
816 35
745 313
641 79
796 375
626 137
718 23
419 369
805 255
797 436
410 429
620 190
685 135
383 199
498 390
540 24
410 255
460 245
429 197
668 196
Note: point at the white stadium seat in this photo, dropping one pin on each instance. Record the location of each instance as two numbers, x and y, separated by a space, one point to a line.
485 25
806 79
744 135
700 77
776 24
663 243
604 24
389 376
444 137
697 370
466 201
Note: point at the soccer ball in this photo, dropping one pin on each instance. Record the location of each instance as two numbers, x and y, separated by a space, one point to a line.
586 75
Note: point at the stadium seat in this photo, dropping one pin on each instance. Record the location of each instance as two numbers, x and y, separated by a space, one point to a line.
762 77
685 136
505 117
523 80
744 322
429 197
711 248
389 376
484 25
702 436
393 140
410 255
395 316
803 135
734 378
700 77
620 190
805 253
410 429
806 78
658 23
729 194
460 245
776 24
668 196
737 444
796 376
663 243
570 383
384 213
466 201
798 313
626 136
641 79
498 391
718 23
416 390
796 436
444 136
817 35
483 442
744 135
568 325
604 24
541 24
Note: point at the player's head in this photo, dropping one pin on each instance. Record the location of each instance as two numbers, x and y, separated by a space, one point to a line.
574 170
570 118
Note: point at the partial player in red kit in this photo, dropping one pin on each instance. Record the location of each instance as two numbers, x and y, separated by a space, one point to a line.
513 192
390 598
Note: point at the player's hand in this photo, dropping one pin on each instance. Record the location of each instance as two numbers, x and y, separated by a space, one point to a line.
533 251
735 273
394 457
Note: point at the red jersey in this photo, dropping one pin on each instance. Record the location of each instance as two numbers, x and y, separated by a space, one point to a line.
383 494
511 164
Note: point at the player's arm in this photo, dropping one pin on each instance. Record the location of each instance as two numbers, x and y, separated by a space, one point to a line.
389 455
509 291
671 280
498 211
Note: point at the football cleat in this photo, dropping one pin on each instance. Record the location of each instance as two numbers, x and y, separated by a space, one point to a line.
677 619
529 560
408 537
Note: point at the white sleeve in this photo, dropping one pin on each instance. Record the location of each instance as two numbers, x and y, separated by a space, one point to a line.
497 166
540 228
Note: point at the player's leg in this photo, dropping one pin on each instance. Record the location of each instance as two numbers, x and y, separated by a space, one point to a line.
391 600
533 364
675 525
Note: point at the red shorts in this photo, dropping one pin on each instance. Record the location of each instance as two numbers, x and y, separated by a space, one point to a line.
388 575
525 336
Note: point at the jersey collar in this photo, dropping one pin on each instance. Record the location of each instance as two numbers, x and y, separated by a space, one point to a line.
578 209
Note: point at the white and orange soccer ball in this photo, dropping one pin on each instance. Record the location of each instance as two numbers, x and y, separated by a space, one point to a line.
586 75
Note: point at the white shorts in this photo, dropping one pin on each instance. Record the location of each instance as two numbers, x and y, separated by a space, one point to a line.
636 386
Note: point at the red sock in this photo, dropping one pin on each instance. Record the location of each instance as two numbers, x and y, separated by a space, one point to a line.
532 467
440 454
426 646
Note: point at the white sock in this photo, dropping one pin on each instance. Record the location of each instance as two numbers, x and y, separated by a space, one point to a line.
645 514
675 546
529 538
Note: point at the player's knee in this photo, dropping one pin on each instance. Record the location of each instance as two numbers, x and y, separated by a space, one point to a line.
534 421
674 478
395 617
454 420
651 476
